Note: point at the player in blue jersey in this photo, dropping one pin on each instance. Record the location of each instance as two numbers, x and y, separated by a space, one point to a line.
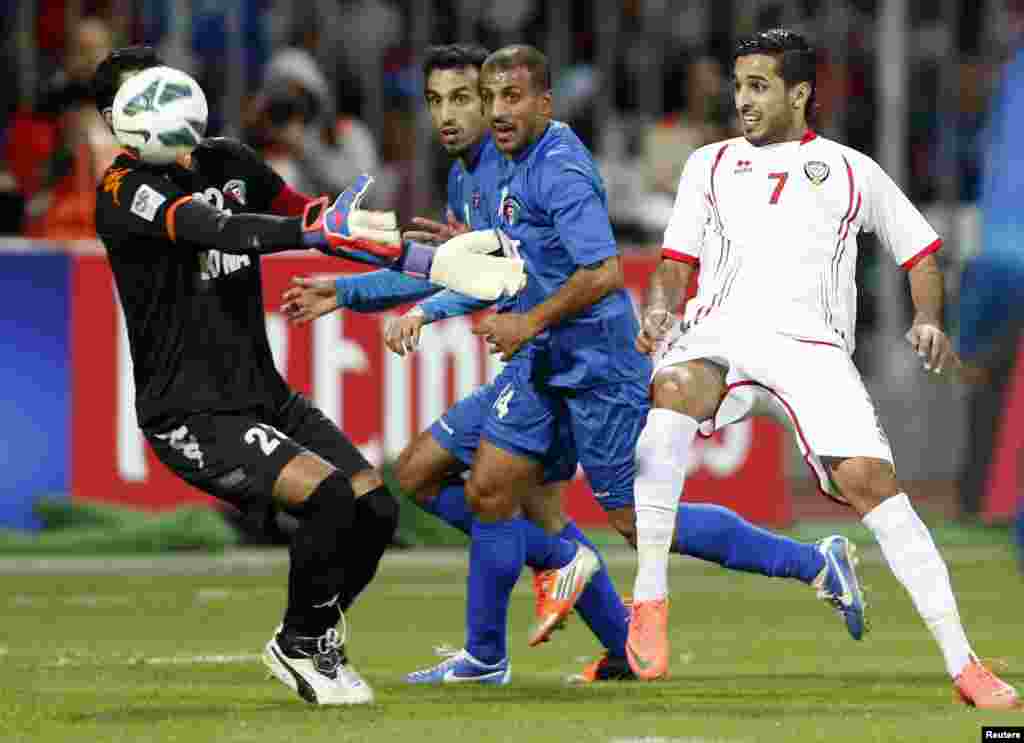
706 531
425 467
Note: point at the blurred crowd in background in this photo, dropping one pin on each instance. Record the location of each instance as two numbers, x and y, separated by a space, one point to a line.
331 88
328 89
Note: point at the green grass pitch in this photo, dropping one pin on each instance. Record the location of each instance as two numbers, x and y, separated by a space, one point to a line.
161 657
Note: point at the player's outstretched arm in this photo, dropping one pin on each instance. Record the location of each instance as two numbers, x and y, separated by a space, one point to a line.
666 289
926 335
402 335
346 231
378 291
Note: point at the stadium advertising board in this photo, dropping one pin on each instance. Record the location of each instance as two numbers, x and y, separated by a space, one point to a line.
34 377
379 399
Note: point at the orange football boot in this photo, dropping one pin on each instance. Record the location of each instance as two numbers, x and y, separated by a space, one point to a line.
647 645
977 686
558 590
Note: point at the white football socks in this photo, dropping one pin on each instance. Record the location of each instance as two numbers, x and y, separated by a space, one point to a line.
662 455
915 561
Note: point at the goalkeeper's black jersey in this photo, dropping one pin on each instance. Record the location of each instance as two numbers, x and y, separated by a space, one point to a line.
195 316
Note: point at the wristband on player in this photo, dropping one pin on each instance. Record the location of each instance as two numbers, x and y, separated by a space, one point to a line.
453 266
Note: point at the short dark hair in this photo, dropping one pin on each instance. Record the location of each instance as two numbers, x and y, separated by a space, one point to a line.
523 55
107 78
453 57
798 60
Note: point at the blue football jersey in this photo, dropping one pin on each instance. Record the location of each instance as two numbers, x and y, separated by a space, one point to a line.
472 194
468 196
551 202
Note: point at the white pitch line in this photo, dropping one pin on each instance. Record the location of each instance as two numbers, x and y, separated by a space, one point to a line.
188 660
64 661
250 561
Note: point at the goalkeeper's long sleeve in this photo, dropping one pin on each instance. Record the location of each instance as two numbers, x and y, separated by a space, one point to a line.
381 290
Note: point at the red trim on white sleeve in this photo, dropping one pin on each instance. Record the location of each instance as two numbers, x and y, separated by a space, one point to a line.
818 343
910 263
675 255
714 167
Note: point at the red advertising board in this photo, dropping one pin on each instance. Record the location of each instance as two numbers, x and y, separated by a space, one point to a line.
379 399
1005 475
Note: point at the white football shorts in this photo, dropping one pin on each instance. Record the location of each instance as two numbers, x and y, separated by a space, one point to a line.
811 388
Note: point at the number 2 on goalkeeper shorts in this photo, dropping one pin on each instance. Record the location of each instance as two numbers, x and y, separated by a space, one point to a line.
268 437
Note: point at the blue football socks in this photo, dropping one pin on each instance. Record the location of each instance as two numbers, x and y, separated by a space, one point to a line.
450 506
717 534
496 557
543 551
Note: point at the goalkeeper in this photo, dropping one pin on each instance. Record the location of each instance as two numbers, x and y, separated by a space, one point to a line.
184 242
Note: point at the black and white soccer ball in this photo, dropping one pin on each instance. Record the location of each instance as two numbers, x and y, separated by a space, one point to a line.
160 113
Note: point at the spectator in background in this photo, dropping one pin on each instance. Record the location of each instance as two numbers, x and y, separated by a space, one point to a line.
962 139
991 310
641 190
295 122
669 142
58 151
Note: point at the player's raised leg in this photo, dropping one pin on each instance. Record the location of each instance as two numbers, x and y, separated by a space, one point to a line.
719 535
683 394
871 488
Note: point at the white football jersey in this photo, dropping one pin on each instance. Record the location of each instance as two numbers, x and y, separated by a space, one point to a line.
774 229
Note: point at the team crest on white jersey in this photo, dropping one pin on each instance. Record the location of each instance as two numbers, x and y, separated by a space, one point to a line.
816 171
235 188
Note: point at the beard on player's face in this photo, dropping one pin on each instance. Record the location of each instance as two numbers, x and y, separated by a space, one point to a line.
456 110
459 137
518 112
767 124
765 104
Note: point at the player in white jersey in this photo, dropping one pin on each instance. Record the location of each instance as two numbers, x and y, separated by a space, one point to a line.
770 221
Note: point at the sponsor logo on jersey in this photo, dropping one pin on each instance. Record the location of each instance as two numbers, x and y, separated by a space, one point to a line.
112 183
146 201
213 264
185 443
744 166
816 171
510 210
235 188
504 398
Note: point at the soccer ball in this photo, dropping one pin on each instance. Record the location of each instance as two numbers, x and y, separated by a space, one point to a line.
160 113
